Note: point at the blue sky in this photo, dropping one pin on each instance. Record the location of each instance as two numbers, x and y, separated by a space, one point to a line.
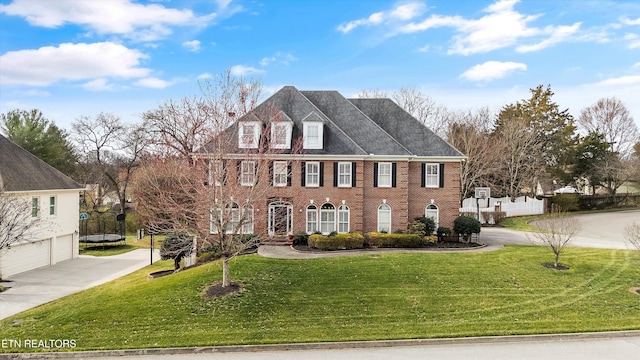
70 58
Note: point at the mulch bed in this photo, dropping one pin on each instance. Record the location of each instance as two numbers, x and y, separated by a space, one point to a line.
438 245
635 290
216 290
552 266
160 273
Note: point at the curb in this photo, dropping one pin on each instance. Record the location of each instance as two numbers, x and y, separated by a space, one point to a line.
327 345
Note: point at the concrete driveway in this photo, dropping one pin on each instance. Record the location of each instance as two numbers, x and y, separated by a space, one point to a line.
40 286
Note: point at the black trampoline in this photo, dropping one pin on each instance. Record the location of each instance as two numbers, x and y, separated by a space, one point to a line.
106 229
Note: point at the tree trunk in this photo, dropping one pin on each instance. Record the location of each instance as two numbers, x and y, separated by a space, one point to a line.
557 258
226 279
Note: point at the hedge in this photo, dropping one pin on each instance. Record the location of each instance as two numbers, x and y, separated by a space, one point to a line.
337 242
382 240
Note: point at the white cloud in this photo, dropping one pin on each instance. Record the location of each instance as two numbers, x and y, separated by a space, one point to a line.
153 83
241 70
72 62
492 70
634 40
34 92
621 81
627 21
146 22
280 57
193 45
636 65
402 12
204 76
424 48
501 27
100 84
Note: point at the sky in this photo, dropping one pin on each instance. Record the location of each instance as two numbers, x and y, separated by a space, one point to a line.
72 58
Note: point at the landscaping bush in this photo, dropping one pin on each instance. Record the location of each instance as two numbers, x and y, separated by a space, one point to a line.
176 246
382 240
443 233
429 240
565 202
495 216
466 226
417 227
429 224
337 242
301 239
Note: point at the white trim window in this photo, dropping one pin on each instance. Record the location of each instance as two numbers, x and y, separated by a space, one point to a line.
431 175
52 206
247 222
384 218
247 172
248 134
280 173
35 206
231 219
327 218
432 211
216 172
312 174
384 174
312 138
312 219
343 219
344 174
281 135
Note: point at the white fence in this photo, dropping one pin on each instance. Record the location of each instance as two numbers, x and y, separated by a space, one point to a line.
523 205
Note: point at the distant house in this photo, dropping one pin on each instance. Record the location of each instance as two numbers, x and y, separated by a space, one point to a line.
54 198
365 165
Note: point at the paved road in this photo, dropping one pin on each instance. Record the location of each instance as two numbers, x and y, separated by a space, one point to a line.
523 348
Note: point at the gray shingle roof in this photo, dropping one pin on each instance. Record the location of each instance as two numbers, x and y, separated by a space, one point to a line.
22 171
352 126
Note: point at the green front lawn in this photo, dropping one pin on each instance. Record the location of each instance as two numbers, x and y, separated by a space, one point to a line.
365 297
132 243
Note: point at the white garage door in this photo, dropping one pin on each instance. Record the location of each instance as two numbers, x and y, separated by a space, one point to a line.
25 257
64 248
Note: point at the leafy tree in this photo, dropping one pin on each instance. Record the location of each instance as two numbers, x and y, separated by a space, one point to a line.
41 137
554 129
592 154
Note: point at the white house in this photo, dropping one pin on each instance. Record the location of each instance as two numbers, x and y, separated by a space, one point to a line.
54 197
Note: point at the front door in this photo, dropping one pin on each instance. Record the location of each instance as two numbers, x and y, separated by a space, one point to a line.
280 218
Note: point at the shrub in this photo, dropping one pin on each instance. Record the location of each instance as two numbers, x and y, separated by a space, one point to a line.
176 246
429 224
443 233
565 202
417 227
429 240
206 257
466 226
333 233
337 242
301 238
398 231
383 240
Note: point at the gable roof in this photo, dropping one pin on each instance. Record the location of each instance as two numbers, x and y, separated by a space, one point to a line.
22 171
351 126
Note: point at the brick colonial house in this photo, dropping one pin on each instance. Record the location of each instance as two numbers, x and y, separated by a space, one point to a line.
364 165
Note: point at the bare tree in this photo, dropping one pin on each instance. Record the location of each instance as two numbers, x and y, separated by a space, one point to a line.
632 234
424 108
16 221
610 117
179 128
470 132
522 157
557 229
109 152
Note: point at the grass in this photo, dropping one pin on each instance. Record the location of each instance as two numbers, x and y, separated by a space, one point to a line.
366 297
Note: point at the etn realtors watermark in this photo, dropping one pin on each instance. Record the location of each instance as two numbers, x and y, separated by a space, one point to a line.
37 344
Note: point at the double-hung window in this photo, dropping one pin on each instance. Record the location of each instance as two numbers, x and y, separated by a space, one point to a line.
327 218
312 174
312 219
281 135
35 207
312 138
431 175
384 218
344 174
247 173
52 205
343 219
384 174
249 133
280 173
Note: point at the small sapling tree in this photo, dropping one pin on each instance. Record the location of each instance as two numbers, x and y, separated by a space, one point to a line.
557 229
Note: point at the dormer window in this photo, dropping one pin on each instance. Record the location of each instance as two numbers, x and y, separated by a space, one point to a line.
312 135
248 134
281 135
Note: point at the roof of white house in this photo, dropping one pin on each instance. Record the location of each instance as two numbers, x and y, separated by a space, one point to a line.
22 171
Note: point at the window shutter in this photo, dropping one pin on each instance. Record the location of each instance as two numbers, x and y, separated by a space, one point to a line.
335 174
321 176
271 173
303 171
224 172
441 174
375 174
393 174
239 171
423 175
353 174
289 174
